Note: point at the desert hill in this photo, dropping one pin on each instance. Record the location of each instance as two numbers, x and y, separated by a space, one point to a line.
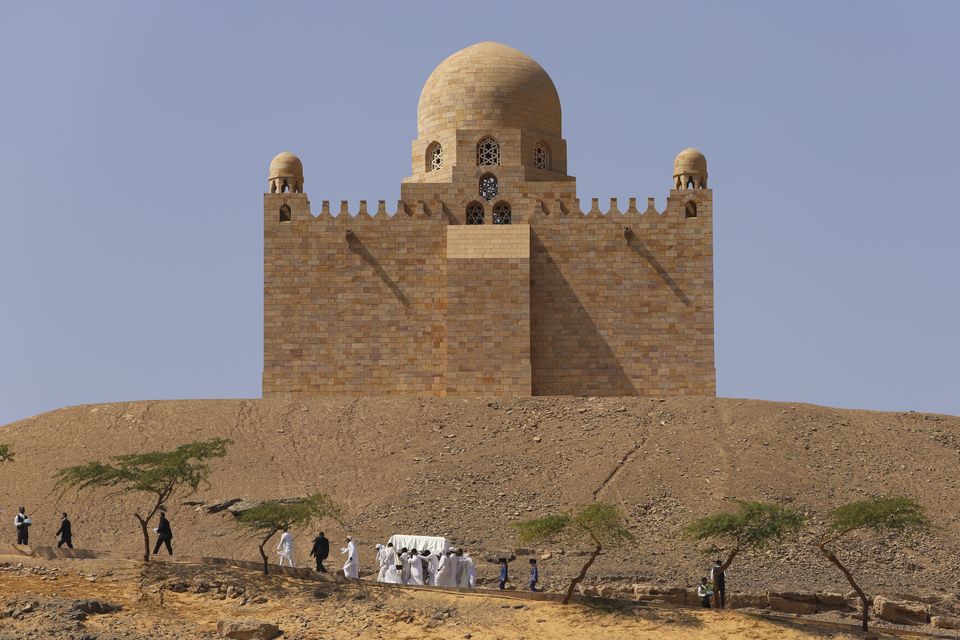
467 468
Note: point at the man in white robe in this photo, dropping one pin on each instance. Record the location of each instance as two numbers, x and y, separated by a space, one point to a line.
405 563
351 568
444 571
471 572
433 565
466 569
381 562
416 569
394 567
285 548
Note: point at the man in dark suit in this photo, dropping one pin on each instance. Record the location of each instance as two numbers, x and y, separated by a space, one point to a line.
320 551
164 534
65 532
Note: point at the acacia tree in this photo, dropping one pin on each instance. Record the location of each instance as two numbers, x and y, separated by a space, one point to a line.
598 523
267 518
159 474
885 514
5 454
753 525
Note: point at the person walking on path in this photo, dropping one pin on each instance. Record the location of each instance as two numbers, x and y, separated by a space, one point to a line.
285 548
719 578
534 574
351 568
504 573
320 551
65 532
22 523
164 534
704 592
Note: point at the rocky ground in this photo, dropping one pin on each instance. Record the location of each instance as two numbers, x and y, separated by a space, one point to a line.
468 468
119 599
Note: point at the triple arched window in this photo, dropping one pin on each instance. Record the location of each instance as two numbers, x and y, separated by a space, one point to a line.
434 157
488 152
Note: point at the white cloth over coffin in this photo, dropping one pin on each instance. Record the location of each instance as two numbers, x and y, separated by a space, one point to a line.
435 544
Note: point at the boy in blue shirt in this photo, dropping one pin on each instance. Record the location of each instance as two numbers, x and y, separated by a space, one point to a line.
503 573
534 574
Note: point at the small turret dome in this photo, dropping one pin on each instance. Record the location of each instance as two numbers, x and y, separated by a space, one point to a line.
286 173
286 165
690 169
690 160
489 85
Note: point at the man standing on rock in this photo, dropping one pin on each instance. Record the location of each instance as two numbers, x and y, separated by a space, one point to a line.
719 578
164 534
320 551
22 523
351 568
65 532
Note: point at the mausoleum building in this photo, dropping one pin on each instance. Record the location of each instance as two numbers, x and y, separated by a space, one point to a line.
489 277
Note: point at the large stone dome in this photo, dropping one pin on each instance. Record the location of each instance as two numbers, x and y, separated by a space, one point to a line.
489 85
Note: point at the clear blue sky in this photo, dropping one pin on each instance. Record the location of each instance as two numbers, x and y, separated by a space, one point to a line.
135 139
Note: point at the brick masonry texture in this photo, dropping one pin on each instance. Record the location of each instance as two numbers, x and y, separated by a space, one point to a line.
565 300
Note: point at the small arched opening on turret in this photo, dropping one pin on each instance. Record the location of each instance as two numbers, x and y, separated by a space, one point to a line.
475 213
541 156
502 213
488 152
489 187
690 209
434 156
285 213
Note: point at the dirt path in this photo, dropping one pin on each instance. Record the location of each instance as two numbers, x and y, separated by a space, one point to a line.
168 601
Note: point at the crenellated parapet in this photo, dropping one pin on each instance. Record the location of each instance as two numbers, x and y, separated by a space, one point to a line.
681 203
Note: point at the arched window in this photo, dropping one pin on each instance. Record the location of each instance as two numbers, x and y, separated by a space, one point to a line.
488 152
285 188
475 213
501 213
690 210
284 213
488 186
541 156
434 157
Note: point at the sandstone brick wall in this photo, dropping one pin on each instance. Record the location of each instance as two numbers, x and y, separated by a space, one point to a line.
623 312
418 303
488 310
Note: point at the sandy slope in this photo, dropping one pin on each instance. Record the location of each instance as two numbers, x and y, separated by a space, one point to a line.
467 468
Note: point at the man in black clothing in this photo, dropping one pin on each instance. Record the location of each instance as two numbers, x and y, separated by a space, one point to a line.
164 534
719 578
65 532
320 551
22 522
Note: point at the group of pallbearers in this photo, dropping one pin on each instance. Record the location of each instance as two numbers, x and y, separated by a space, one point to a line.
439 568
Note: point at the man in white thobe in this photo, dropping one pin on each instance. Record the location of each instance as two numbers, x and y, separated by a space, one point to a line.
381 562
468 578
351 568
433 560
394 567
416 569
285 548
